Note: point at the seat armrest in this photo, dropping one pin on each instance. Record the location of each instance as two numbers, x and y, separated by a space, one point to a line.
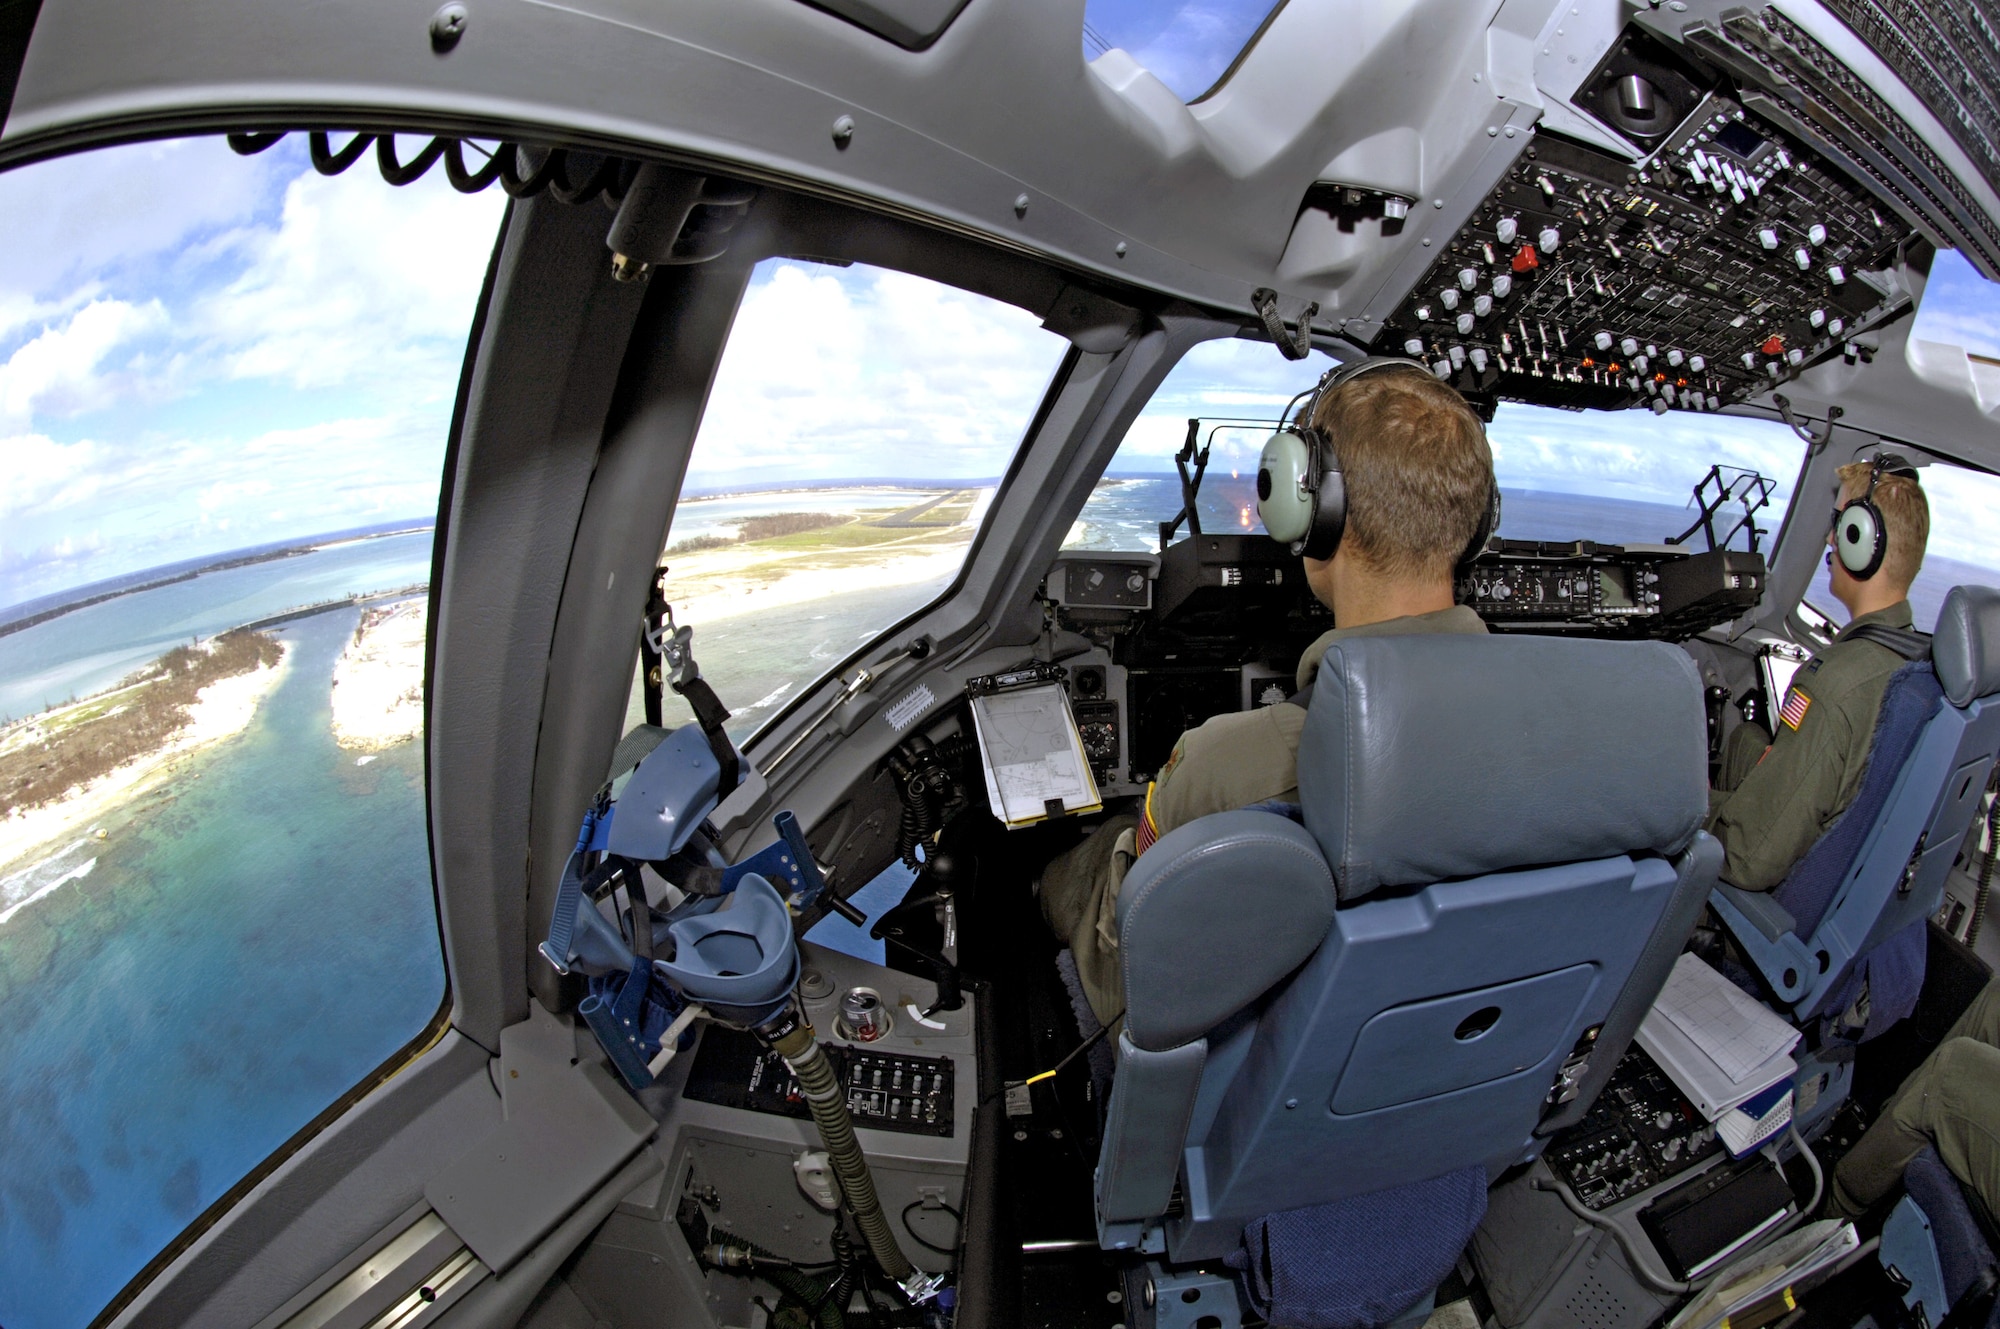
1145 1129
1238 898
1764 929
1760 909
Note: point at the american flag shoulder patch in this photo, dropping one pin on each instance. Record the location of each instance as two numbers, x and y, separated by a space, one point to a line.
1794 711
1147 832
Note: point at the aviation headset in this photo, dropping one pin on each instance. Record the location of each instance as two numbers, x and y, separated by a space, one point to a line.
1301 494
1860 536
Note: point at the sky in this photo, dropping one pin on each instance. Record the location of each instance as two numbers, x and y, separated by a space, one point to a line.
859 372
1186 44
1959 307
201 352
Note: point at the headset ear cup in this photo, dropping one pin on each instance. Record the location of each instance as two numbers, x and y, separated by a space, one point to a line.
1860 539
1329 519
1489 522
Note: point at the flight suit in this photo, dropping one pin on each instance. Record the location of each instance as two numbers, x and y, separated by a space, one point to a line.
1952 1101
1813 768
1232 761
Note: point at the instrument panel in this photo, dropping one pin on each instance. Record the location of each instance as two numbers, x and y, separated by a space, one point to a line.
1217 623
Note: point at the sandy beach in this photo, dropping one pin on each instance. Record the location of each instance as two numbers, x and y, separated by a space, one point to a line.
378 683
222 710
710 586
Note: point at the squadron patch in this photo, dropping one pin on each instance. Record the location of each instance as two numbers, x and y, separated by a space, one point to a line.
1796 704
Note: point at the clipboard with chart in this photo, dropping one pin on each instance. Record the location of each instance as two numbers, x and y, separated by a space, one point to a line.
1029 748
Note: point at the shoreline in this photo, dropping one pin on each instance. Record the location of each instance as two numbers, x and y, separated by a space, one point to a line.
222 710
378 681
171 574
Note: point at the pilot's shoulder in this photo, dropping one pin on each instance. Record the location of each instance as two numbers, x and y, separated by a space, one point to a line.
1851 669
1231 760
1234 734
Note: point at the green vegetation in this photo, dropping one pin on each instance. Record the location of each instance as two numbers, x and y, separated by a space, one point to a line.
771 526
71 747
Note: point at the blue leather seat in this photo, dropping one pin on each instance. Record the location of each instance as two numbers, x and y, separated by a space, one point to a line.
1933 1241
1499 859
1853 909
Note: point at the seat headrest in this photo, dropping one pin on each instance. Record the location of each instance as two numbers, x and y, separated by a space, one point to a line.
1426 758
1966 646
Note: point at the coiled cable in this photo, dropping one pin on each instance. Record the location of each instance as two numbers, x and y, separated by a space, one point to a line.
523 170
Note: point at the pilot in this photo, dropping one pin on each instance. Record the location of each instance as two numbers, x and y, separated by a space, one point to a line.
1780 795
1419 494
1951 1102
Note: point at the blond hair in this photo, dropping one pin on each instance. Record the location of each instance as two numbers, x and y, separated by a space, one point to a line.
1417 468
1905 512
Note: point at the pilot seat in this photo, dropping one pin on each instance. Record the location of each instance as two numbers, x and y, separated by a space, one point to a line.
1341 1027
1849 918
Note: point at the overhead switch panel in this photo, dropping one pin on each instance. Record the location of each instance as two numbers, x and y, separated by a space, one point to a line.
1718 267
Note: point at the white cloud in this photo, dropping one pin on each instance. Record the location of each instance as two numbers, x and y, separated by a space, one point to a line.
357 278
1629 454
58 372
78 512
1635 454
1959 307
70 220
1186 45
862 372
1965 514
200 352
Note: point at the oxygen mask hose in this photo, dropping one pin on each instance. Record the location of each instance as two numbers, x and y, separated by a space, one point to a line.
741 962
791 1037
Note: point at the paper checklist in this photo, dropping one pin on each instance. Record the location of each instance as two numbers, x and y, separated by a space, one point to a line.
1718 1043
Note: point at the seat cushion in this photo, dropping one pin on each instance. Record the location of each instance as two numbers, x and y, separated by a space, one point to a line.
1962 1249
1364 1260
1430 758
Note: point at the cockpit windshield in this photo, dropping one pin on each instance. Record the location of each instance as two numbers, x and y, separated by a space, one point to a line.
858 426
1616 477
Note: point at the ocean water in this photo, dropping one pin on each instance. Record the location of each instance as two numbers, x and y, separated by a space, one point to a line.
249 941
89 650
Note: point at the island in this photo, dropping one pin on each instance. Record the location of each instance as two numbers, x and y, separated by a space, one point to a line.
793 558
65 768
